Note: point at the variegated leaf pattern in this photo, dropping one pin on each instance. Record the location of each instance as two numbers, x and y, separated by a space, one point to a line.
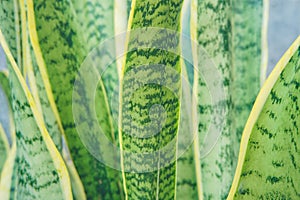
11 26
269 159
42 94
41 172
248 62
137 100
213 34
57 22
4 84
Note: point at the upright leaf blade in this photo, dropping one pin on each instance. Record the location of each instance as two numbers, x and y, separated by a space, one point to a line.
148 172
213 34
188 164
248 61
269 151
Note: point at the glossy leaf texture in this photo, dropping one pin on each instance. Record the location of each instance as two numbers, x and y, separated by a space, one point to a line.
268 166
41 172
150 100
57 22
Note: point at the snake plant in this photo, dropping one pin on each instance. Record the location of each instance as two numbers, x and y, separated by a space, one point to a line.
146 99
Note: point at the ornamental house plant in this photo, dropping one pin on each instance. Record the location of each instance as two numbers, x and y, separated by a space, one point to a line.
146 99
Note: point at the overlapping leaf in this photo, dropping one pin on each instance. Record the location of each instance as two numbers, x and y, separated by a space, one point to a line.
41 172
63 58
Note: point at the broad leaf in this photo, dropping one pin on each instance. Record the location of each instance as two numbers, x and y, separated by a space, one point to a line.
61 41
41 172
269 159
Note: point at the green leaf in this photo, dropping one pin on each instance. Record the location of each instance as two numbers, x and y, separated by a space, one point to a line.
269 159
62 51
4 148
77 186
41 172
188 164
4 84
8 182
11 26
9 171
232 36
150 100
249 58
213 35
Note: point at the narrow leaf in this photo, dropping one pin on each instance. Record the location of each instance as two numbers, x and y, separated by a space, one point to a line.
216 135
4 147
149 116
188 163
248 60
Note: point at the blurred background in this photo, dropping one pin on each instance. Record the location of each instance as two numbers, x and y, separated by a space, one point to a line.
283 29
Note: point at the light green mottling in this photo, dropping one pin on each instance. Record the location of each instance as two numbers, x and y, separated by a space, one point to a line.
40 175
247 58
10 25
214 36
271 166
64 48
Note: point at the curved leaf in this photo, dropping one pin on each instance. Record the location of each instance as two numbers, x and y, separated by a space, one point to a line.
41 170
269 159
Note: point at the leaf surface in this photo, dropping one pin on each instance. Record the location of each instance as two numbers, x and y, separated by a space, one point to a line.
150 100
269 151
